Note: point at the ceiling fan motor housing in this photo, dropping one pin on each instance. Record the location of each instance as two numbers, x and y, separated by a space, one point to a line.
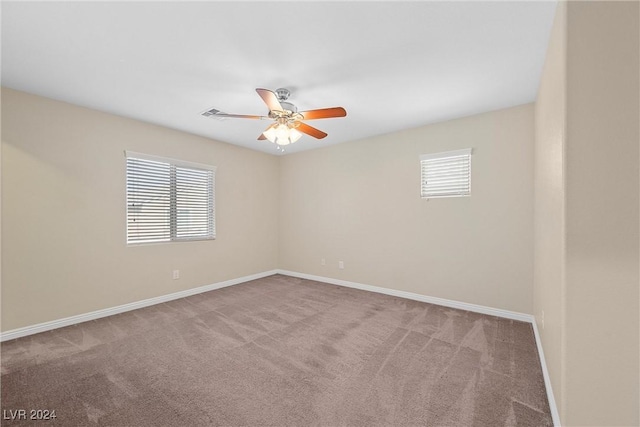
283 94
289 106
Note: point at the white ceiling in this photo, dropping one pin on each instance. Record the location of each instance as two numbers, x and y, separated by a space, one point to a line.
391 65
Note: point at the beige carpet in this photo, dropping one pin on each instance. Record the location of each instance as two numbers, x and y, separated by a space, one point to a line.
281 351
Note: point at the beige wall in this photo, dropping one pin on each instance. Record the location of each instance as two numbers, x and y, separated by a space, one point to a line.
602 215
549 202
63 212
587 212
360 203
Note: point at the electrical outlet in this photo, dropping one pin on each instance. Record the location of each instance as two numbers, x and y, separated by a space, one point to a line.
340 265
176 274
542 319
323 262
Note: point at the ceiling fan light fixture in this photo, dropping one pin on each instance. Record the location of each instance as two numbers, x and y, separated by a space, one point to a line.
282 134
294 135
270 134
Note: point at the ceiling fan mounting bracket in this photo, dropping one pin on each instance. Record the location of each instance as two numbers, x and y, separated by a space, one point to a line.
283 94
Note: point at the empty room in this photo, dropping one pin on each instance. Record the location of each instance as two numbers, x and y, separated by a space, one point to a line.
320 213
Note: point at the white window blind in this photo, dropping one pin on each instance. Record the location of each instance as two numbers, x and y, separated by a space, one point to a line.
169 200
446 174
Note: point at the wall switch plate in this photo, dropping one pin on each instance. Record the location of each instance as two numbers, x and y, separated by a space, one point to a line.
323 262
341 264
176 274
542 319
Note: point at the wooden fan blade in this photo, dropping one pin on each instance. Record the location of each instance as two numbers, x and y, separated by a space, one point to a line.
309 130
262 137
324 113
270 99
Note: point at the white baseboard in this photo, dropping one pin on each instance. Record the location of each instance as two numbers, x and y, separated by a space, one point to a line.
418 297
547 379
523 317
68 321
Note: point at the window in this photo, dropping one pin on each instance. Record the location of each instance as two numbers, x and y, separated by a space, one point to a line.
446 174
169 200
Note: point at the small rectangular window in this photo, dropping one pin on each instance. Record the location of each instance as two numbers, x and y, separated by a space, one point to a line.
446 174
169 200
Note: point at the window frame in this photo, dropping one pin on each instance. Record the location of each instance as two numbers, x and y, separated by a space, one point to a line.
444 155
173 208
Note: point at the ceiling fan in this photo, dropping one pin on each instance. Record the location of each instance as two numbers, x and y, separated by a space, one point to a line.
288 124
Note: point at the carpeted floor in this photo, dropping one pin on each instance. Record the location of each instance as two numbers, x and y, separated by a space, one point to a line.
281 351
